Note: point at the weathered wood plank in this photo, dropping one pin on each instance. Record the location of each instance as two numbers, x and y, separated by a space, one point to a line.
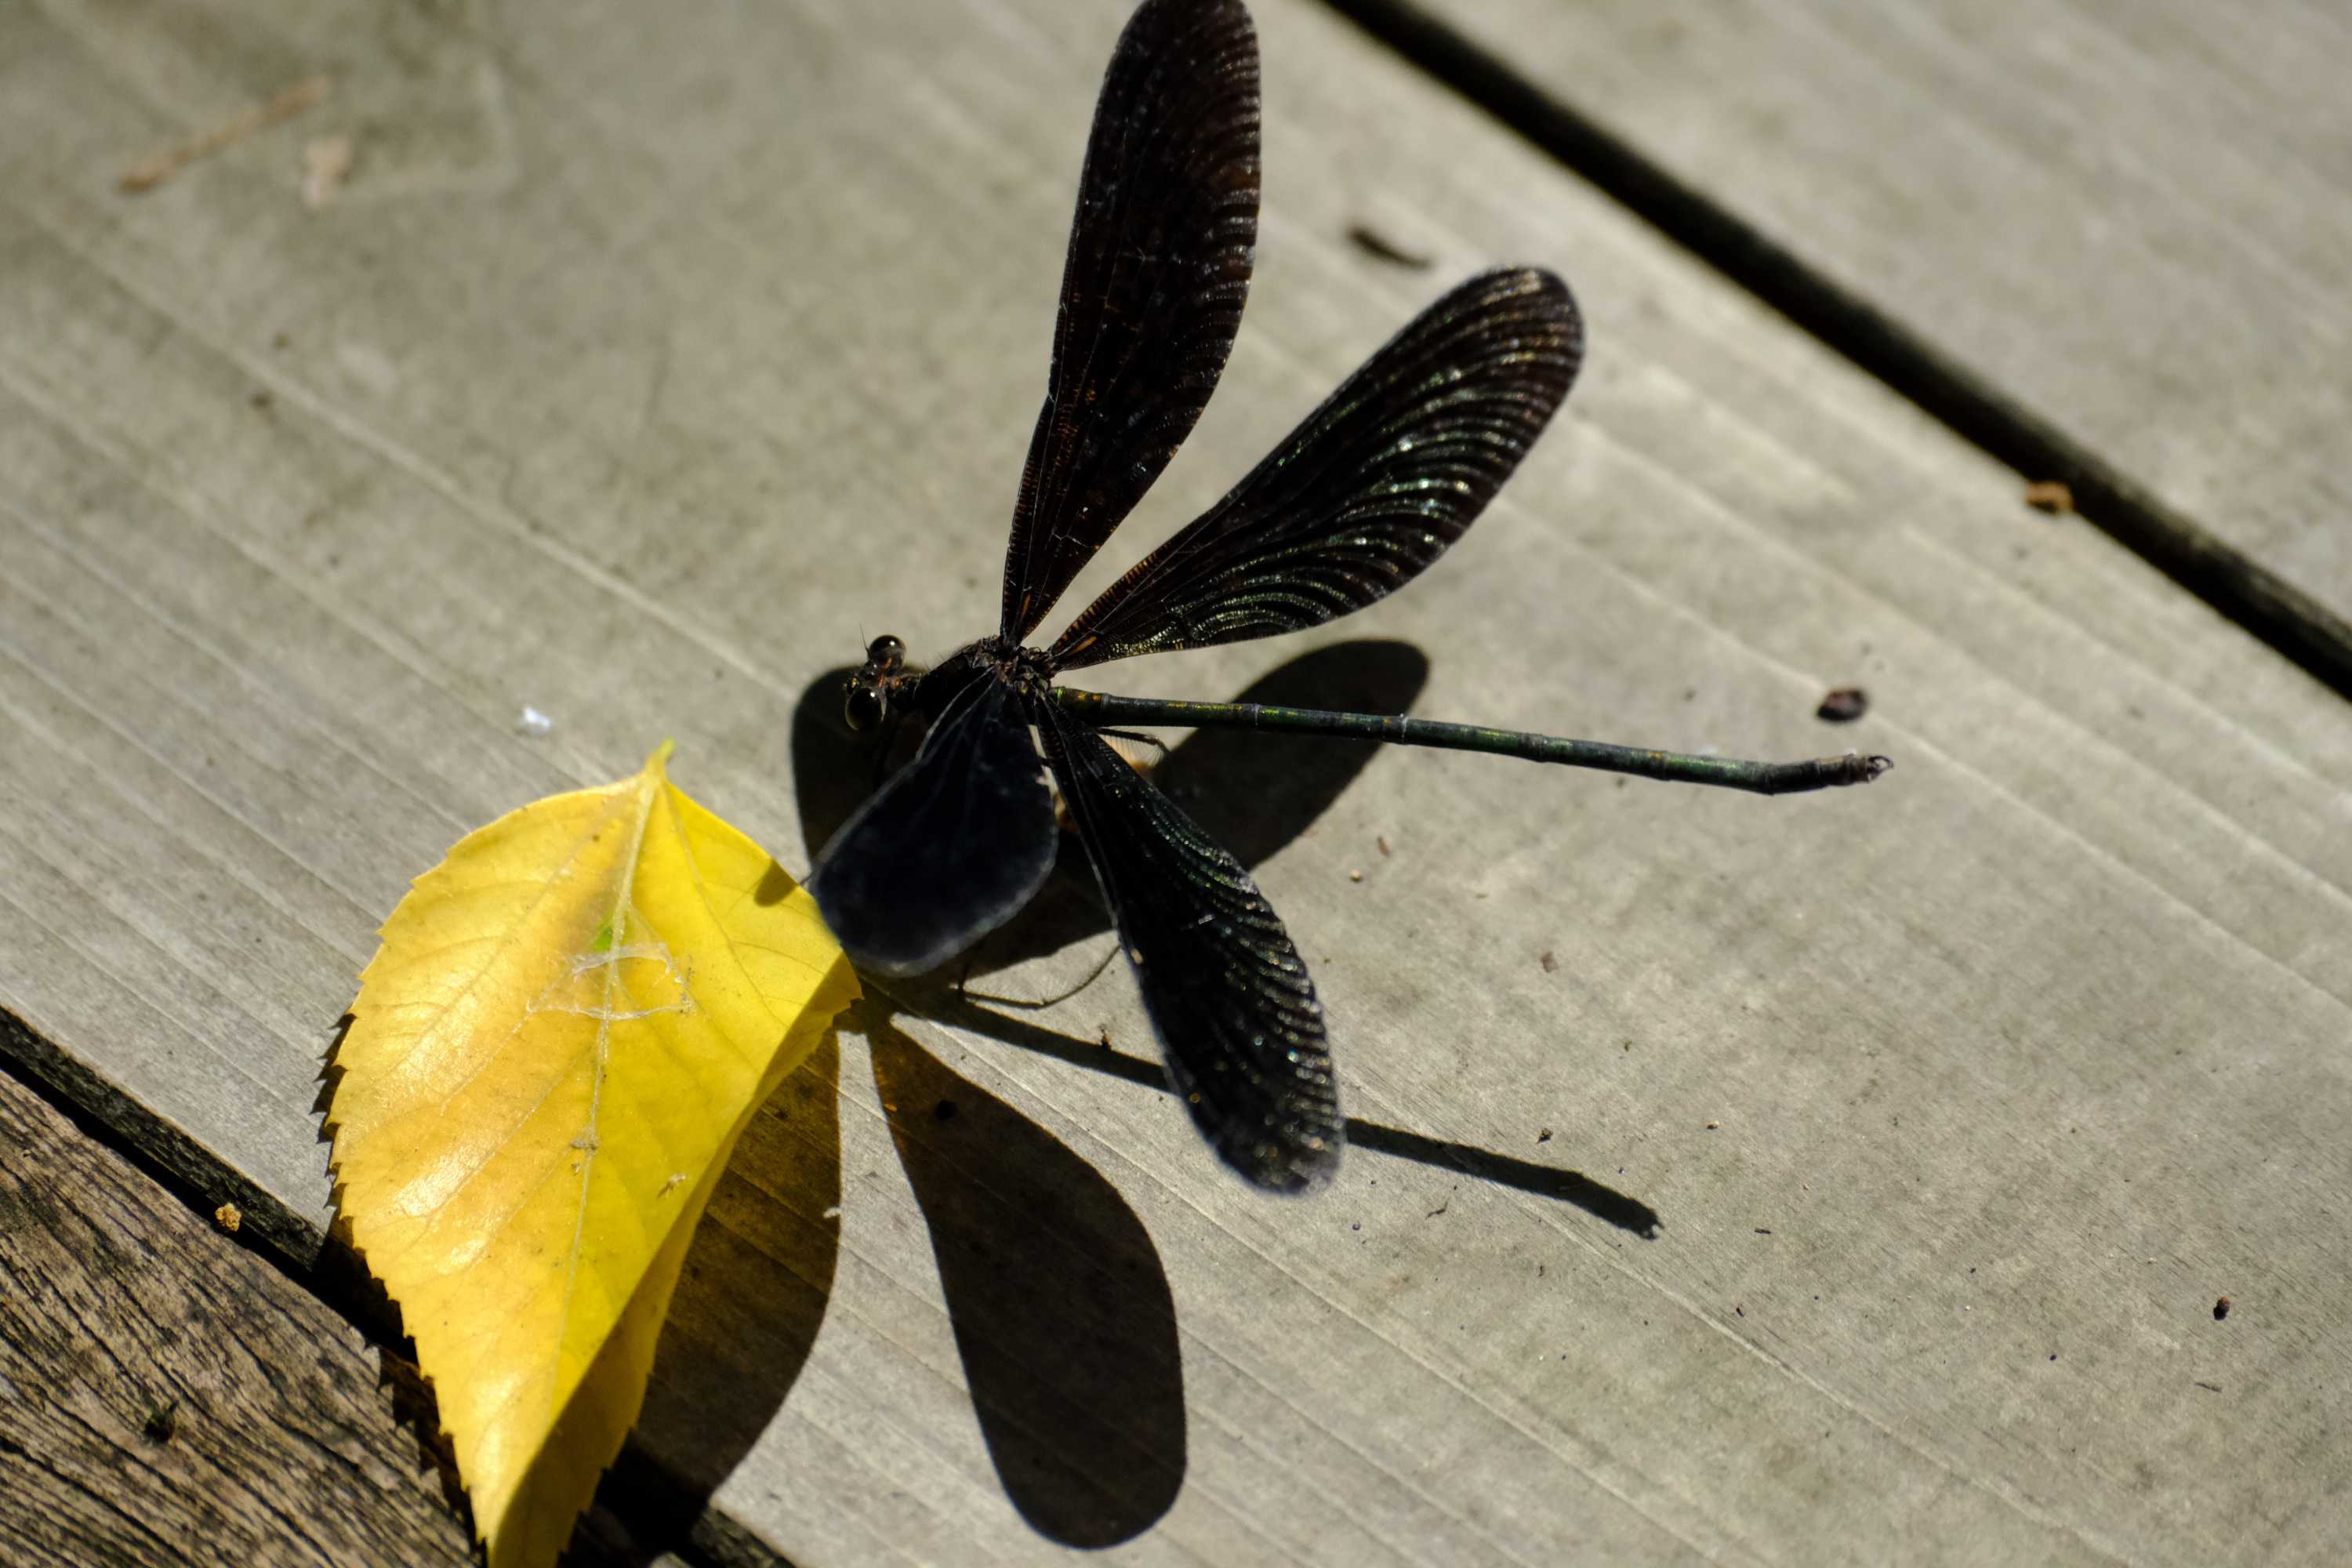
2116 235
166 1396
639 378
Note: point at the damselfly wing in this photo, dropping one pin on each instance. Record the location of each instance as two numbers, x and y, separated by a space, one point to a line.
1365 493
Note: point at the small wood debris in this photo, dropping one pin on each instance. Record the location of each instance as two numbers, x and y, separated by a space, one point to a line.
1761 1231
2051 496
1383 843
1439 1209
227 1217
1549 962
326 165
158 167
2212 1387
1373 242
2220 1309
1713 1125
1845 705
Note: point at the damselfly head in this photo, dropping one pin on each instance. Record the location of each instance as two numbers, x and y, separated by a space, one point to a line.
866 700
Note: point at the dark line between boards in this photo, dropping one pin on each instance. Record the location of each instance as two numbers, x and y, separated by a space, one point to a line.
2292 622
160 1152
271 1231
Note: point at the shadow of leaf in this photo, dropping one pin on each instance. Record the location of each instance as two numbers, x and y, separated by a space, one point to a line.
750 1297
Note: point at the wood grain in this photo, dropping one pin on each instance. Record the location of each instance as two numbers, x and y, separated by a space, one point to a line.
166 1396
641 376
2107 242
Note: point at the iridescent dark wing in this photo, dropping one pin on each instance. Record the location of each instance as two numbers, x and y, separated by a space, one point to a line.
1228 994
1152 291
1369 490
950 848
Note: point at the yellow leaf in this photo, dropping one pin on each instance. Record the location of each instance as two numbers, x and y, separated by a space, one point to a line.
567 1024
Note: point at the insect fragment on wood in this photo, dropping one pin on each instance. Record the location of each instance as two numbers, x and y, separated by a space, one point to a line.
1369 490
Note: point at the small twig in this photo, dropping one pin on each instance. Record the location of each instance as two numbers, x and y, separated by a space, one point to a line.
161 166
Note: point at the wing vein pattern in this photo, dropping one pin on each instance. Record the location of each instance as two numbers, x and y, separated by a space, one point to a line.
1238 1019
1152 289
1370 487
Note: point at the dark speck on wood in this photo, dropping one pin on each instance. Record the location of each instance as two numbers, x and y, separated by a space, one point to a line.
1845 705
1372 243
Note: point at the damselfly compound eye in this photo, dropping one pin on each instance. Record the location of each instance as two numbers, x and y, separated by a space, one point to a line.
862 707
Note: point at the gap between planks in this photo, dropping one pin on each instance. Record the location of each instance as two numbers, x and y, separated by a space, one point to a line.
119 1131
2292 622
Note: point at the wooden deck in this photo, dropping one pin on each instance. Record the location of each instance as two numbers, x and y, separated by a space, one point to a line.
1844 1179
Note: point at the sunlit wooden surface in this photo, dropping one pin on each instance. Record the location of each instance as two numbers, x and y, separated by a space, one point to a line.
639 371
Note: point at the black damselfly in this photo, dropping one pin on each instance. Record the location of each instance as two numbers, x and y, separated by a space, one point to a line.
1363 495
